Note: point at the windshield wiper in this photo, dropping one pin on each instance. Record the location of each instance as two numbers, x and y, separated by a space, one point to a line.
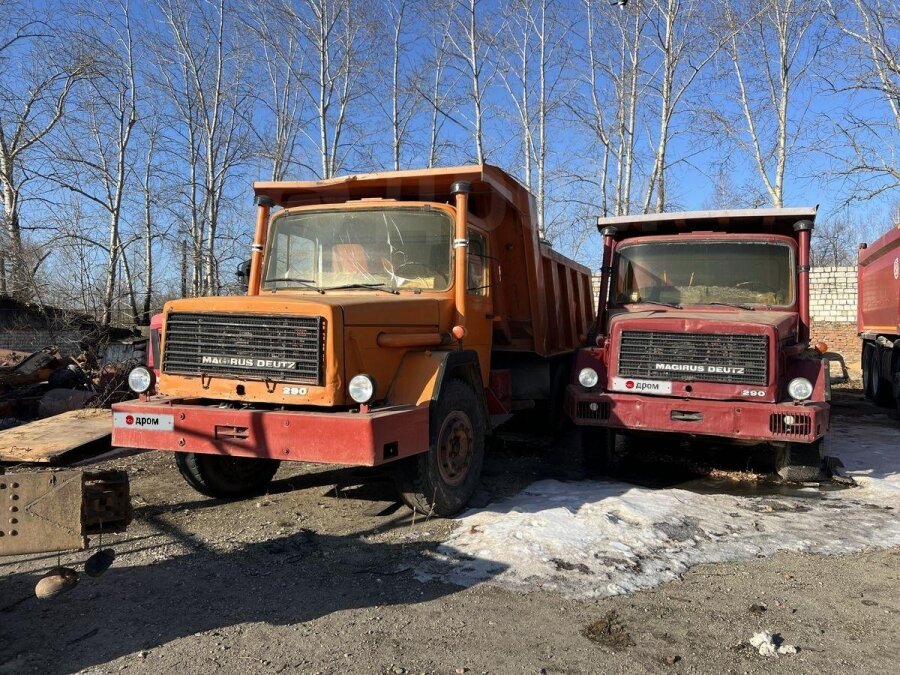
730 304
308 283
655 302
381 286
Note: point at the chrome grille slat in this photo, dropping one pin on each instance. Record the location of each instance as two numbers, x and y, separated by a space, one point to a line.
640 351
299 339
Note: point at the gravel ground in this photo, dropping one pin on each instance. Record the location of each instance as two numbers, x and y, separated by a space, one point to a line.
320 576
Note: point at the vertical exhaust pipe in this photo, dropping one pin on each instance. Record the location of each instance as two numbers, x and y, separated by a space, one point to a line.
804 229
460 190
609 237
264 207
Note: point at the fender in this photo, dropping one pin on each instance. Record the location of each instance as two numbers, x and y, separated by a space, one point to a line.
420 377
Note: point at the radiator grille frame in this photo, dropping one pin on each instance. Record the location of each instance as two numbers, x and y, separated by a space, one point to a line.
189 336
640 350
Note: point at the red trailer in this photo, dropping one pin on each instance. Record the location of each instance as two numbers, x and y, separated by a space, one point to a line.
878 318
702 331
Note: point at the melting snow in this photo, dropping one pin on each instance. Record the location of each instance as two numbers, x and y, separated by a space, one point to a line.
594 538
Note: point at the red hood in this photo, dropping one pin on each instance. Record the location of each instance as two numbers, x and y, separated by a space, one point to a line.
784 323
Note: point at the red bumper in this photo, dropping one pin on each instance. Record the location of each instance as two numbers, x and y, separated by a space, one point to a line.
726 419
365 439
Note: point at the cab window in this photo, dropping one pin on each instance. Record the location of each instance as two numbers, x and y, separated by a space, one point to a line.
477 280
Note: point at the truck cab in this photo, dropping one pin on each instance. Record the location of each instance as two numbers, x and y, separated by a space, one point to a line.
703 331
391 319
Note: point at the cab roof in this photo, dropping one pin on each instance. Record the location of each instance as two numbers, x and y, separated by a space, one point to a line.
491 188
744 221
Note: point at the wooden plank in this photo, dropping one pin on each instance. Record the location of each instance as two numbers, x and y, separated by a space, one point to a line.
49 440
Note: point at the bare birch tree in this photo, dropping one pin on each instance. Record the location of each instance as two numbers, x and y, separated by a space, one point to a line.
204 72
473 48
870 77
283 68
37 76
685 47
613 92
771 52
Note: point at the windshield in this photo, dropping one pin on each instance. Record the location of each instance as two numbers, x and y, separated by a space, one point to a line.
704 272
393 248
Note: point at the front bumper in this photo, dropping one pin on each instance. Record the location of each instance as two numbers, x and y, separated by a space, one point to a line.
748 420
363 439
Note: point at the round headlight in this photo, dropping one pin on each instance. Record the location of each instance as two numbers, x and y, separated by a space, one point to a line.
587 377
800 389
361 388
140 379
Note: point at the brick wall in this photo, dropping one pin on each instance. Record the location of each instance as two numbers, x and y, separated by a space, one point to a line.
832 294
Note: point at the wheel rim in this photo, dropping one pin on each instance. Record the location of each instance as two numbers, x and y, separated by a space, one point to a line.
455 448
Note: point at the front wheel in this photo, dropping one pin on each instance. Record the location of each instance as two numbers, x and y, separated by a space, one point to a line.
226 477
441 481
598 449
800 462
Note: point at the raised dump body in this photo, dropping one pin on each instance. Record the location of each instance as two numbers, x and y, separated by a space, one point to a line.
878 318
390 318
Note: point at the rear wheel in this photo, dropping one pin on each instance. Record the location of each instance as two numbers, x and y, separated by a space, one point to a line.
800 462
867 373
226 477
441 481
882 392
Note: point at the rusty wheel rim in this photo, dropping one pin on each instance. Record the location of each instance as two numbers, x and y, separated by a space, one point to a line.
455 448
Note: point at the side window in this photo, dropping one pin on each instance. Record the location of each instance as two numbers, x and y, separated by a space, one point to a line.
477 280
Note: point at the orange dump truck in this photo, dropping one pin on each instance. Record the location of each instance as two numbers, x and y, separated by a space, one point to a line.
878 318
390 319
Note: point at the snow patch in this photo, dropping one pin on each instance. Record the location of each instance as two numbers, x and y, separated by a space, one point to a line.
594 539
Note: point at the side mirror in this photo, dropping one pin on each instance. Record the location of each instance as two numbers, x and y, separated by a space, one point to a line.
243 274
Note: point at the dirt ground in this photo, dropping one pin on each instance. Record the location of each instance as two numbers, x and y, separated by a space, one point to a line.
319 576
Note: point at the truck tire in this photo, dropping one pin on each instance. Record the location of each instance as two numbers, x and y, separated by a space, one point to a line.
881 387
441 481
598 449
867 373
226 477
800 462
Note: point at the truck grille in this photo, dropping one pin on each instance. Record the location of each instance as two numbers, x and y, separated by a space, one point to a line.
245 346
735 359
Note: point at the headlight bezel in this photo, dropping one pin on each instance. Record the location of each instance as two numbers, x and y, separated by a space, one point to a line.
803 395
588 377
356 385
149 378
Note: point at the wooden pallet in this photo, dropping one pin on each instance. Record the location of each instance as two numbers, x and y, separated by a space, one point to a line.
57 439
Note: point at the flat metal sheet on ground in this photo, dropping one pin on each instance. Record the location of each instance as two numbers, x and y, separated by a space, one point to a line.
47 441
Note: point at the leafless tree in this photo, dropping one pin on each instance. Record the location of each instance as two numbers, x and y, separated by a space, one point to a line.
332 30
204 65
685 47
473 46
93 156
771 52
37 75
283 64
613 91
870 75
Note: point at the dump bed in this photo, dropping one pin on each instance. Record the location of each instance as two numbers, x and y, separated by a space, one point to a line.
542 301
878 306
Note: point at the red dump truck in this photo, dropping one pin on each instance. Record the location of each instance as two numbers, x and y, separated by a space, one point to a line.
390 319
878 318
702 331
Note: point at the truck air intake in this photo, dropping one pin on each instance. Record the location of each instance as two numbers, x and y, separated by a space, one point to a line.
686 357
245 346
